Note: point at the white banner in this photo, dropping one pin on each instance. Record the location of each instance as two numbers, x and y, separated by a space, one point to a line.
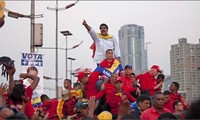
33 61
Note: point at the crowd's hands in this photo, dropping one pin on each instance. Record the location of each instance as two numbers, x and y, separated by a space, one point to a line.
119 59
138 92
71 117
84 23
159 85
23 76
11 70
92 106
3 88
123 109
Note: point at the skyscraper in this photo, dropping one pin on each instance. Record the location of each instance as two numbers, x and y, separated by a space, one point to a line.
131 40
185 68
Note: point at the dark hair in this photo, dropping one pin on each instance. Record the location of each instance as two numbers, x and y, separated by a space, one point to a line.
167 116
17 93
161 76
175 103
43 96
103 24
166 92
176 85
142 98
68 81
108 50
157 93
31 68
133 73
193 111
76 84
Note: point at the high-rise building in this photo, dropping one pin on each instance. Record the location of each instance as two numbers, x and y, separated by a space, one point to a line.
131 40
185 68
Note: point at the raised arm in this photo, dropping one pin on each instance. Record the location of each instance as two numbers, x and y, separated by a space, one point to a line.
92 33
11 73
86 25
35 79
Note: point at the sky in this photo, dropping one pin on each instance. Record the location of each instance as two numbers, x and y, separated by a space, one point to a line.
164 23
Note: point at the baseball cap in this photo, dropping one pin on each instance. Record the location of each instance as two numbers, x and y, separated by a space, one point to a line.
82 103
118 79
128 66
81 75
156 67
105 115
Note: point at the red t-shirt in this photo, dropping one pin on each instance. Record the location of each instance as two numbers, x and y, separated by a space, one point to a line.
152 114
51 107
127 84
114 100
29 111
177 96
90 87
169 106
147 82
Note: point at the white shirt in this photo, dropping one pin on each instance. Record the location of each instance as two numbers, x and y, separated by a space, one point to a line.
103 44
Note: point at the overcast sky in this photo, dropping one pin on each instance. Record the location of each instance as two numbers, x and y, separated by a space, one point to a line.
164 23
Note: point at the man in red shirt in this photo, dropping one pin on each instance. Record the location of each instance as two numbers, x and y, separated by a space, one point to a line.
49 106
116 97
157 109
148 82
167 101
175 96
178 110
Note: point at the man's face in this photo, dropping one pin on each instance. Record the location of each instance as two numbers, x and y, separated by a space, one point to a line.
133 81
172 87
109 54
84 111
84 80
166 98
67 84
104 30
160 79
118 85
154 72
113 78
128 71
179 106
144 105
158 101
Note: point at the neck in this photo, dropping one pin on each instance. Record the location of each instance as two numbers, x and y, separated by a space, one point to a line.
109 59
119 90
158 109
174 91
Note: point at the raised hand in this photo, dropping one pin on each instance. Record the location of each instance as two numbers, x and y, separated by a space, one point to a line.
3 88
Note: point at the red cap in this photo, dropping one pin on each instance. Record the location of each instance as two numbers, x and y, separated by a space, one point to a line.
119 79
156 67
81 75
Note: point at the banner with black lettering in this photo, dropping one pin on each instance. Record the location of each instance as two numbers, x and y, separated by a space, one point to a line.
33 64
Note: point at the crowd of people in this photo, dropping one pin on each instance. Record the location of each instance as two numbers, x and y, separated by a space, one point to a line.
111 91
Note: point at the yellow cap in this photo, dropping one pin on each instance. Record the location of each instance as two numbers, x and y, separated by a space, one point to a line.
105 115
2 8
